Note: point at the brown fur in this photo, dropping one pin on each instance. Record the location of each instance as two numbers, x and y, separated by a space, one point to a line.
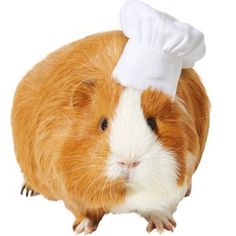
56 114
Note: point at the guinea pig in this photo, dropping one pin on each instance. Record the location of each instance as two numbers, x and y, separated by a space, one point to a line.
83 138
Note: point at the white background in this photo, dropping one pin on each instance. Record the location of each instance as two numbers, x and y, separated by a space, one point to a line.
30 29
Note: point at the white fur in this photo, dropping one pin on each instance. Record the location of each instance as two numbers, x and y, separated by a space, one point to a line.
152 186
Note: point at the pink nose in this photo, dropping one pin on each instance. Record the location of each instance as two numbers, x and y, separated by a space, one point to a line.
130 164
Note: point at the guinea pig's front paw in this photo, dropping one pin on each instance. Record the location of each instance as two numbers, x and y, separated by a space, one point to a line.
86 225
28 191
160 222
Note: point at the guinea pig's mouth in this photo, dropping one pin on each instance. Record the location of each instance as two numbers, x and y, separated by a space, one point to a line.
128 179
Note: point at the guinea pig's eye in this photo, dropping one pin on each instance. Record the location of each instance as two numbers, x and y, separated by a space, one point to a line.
151 122
103 124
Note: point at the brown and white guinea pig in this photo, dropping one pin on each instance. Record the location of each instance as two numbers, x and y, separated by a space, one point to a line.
83 138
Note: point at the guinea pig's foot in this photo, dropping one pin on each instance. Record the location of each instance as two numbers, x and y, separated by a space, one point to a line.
28 191
188 191
86 225
160 223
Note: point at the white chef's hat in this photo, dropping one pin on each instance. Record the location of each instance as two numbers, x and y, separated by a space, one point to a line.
158 48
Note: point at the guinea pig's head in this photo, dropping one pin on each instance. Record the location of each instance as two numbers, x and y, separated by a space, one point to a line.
122 138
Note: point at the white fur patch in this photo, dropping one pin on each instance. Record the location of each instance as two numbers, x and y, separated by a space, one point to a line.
152 184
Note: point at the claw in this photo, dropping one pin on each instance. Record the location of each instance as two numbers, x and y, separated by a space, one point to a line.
22 189
33 193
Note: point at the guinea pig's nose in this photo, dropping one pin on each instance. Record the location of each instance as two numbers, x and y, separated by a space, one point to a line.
129 164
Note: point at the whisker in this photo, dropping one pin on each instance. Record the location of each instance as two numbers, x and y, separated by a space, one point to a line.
87 174
103 191
87 166
91 184
199 118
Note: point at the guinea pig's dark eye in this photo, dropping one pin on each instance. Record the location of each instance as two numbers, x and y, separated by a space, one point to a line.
151 122
103 124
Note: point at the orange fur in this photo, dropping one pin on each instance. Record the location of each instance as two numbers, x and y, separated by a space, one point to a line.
57 110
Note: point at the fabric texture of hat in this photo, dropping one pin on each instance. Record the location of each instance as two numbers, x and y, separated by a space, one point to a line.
159 46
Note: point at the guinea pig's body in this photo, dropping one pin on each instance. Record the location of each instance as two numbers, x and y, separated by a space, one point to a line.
82 138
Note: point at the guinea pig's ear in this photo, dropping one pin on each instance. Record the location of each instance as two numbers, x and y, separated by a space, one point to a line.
83 93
